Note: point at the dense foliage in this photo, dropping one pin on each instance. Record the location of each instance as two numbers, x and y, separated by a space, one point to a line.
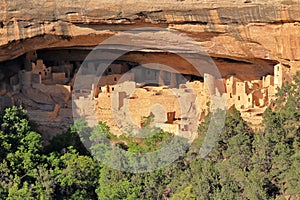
243 165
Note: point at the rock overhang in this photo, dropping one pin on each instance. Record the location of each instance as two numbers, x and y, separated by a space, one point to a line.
243 30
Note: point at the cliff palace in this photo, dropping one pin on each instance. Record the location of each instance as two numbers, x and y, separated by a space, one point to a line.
254 44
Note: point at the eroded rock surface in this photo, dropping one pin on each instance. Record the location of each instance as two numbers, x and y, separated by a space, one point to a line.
242 30
245 38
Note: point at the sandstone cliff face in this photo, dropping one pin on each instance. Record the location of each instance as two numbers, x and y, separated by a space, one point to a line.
246 38
254 31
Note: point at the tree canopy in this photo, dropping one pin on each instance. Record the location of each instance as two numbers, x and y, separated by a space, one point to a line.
244 164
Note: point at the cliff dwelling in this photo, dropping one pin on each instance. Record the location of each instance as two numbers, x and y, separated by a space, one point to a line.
42 81
181 99
255 48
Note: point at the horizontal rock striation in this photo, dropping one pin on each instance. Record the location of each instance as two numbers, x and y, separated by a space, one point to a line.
245 38
240 30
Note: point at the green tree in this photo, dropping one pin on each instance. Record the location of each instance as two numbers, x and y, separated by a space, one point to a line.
20 155
114 184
